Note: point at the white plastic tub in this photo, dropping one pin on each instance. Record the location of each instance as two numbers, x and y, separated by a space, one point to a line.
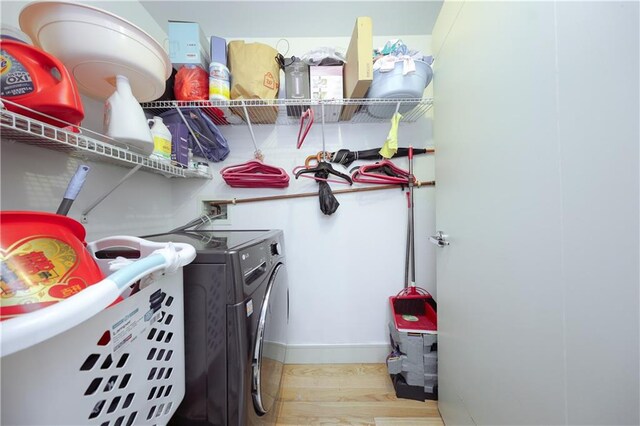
96 46
393 84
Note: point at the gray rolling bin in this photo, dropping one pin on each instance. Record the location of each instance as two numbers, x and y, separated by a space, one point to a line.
413 364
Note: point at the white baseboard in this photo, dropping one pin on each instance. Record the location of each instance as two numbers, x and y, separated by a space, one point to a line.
337 353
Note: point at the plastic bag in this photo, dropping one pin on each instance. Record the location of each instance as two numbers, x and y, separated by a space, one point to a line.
393 47
191 84
395 51
324 56
210 142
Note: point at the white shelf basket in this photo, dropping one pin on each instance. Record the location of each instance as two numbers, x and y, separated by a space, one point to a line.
124 365
288 111
18 128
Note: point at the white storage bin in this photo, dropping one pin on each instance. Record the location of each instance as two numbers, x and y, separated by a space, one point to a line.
118 366
392 84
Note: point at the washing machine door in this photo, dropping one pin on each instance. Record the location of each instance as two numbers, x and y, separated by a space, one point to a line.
270 347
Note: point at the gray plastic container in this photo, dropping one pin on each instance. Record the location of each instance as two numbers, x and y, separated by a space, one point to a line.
393 84
417 362
296 77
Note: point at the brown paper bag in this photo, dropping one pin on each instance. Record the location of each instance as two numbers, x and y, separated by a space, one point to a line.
255 74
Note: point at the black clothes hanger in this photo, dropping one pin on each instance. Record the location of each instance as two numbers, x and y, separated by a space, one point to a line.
324 168
328 202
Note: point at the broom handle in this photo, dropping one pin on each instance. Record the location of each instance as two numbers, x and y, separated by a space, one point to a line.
413 254
408 251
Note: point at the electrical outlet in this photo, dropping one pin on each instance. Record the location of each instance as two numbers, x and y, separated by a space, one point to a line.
220 210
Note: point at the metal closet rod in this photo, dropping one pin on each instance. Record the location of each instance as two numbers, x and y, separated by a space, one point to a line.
312 194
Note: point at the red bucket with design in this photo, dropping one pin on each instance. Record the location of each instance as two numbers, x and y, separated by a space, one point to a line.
43 259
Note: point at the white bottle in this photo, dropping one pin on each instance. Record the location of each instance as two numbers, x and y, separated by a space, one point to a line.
124 119
161 140
218 82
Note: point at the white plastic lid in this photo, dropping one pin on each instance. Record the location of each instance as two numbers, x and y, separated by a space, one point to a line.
13 33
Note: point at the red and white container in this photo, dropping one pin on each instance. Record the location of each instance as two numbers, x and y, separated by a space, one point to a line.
34 79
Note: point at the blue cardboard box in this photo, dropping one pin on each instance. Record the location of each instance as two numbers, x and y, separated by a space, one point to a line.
188 45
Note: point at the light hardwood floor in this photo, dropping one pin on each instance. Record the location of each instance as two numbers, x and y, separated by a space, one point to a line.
348 394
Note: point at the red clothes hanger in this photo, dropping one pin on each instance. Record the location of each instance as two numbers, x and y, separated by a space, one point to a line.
308 113
255 174
383 172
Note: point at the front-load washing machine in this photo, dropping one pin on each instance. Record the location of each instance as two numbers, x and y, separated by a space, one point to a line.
236 302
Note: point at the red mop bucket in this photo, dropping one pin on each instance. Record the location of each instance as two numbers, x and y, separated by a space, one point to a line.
414 311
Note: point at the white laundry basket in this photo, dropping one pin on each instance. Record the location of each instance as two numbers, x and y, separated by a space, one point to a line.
83 362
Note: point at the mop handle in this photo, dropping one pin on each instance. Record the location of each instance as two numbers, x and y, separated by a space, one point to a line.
408 250
74 187
413 254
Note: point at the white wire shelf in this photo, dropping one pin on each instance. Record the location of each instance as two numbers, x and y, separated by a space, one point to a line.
18 128
288 111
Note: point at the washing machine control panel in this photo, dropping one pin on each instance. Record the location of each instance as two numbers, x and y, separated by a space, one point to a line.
257 260
254 262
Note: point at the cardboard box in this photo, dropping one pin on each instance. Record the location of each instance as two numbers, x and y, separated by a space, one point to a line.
326 83
218 50
358 70
188 45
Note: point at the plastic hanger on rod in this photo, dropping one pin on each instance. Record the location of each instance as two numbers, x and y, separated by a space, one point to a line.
323 169
383 172
254 173
321 172
307 114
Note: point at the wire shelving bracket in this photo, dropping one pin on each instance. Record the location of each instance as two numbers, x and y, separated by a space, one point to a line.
18 128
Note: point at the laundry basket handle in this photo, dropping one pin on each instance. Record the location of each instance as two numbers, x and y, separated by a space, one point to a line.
185 255
29 329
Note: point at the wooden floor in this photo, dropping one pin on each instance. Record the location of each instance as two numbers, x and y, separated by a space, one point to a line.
348 394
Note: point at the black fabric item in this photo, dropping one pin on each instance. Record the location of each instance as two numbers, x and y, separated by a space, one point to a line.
330 61
328 202
168 91
383 170
388 171
346 157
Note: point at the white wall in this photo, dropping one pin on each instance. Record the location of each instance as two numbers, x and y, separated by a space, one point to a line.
302 18
342 268
542 327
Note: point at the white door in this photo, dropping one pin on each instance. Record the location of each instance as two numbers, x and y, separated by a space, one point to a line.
538 314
